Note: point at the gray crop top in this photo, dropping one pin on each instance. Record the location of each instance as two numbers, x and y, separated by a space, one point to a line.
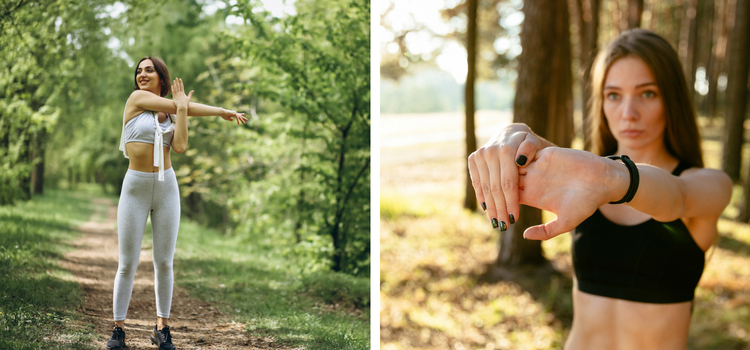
142 129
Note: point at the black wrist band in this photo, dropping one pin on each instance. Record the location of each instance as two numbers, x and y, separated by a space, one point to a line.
634 178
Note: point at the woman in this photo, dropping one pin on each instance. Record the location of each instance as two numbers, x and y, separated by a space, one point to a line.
636 265
151 125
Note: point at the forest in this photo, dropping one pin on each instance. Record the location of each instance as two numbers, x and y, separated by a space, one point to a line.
466 285
296 177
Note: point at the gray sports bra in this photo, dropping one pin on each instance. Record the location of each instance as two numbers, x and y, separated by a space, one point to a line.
142 129
145 127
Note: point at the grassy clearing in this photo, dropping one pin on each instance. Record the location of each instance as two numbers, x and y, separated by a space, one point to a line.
435 290
38 300
266 289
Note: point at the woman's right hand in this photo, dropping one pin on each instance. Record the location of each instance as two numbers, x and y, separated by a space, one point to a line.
494 171
181 100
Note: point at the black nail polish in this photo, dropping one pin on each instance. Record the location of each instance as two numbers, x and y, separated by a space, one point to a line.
511 219
484 206
503 226
521 160
494 223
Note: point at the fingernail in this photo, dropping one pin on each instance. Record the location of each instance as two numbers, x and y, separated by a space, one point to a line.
494 223
503 226
521 160
511 219
484 206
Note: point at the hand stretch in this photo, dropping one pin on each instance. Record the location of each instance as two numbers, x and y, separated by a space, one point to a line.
570 183
229 115
178 93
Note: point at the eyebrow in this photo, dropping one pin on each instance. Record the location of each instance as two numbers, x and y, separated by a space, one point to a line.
139 68
637 86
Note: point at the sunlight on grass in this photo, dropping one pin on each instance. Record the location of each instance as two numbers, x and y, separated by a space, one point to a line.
267 290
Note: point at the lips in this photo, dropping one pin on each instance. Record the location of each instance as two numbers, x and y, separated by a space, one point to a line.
631 133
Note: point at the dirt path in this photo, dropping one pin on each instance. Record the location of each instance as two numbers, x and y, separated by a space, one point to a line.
195 324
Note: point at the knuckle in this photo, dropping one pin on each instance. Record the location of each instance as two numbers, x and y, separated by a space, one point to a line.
496 189
486 188
507 151
507 184
476 184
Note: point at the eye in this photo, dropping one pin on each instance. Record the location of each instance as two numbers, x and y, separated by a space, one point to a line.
612 96
648 94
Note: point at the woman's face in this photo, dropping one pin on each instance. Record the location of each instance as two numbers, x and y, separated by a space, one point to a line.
147 77
633 104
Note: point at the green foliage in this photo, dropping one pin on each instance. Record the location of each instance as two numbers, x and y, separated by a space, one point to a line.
36 299
258 284
317 66
298 173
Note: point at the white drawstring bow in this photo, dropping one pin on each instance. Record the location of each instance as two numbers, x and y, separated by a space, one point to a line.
158 147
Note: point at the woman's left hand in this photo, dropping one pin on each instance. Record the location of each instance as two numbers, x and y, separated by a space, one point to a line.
178 93
570 183
229 115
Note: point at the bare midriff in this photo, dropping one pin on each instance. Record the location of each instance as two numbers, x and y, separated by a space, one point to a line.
614 324
141 157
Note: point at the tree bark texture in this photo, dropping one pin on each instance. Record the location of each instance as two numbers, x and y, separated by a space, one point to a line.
470 200
716 61
635 12
588 30
686 49
544 101
737 74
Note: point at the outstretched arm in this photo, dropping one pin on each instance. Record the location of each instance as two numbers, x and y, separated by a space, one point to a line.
150 102
573 184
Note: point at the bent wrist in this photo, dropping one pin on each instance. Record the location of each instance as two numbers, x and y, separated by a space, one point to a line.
617 180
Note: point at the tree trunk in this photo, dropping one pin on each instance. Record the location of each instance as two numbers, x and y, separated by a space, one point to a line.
635 12
737 75
544 101
470 200
37 171
716 60
588 29
688 35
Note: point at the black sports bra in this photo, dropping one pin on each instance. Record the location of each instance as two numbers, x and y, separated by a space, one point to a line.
652 262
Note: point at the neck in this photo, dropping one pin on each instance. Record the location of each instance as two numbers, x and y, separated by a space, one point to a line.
656 156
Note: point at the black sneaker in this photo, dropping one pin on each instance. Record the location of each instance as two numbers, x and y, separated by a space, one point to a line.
162 338
117 341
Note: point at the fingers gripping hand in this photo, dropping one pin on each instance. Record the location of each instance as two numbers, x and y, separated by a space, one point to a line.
495 176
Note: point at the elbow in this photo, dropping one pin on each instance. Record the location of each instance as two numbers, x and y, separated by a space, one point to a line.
179 148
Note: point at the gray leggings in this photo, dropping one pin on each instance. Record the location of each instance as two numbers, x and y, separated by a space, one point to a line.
143 193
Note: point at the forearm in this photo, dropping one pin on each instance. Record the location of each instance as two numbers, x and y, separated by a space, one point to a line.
660 194
201 110
179 142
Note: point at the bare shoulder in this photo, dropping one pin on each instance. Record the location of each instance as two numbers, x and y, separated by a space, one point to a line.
713 176
708 192
132 108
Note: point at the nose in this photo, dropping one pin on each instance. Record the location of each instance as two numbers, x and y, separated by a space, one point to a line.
630 111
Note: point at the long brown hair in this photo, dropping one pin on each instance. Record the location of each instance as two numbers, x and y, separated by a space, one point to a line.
161 69
681 136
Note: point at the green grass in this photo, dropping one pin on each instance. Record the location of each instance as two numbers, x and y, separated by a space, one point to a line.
38 300
263 287
267 290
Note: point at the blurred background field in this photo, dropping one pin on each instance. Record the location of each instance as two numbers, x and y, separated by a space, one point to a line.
440 287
